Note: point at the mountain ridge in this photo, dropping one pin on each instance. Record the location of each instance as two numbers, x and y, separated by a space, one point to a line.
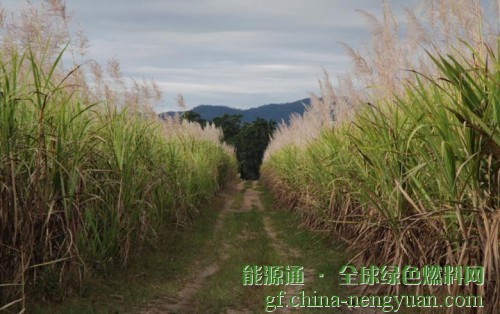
276 112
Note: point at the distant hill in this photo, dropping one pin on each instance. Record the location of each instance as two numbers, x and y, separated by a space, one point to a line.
276 112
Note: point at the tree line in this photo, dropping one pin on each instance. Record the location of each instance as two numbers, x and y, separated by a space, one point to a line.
250 139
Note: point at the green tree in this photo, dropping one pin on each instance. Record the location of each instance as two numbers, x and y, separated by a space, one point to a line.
193 116
250 143
249 139
230 125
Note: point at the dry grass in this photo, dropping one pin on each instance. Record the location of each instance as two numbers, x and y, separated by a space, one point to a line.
390 59
88 172
409 172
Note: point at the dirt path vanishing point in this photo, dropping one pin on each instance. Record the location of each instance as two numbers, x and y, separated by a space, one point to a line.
245 200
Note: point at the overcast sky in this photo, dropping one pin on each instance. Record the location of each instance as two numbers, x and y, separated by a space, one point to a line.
240 53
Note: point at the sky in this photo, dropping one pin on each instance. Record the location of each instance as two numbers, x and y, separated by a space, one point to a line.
239 53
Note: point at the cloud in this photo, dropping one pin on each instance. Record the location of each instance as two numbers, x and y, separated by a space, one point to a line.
237 53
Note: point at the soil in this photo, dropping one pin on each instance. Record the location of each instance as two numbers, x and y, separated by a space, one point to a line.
183 302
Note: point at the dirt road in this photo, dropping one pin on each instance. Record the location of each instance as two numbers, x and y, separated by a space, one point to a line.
244 209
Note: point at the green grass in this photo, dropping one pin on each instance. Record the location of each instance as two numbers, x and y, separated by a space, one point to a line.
238 199
248 184
163 270
158 272
317 251
242 239
86 185
413 179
